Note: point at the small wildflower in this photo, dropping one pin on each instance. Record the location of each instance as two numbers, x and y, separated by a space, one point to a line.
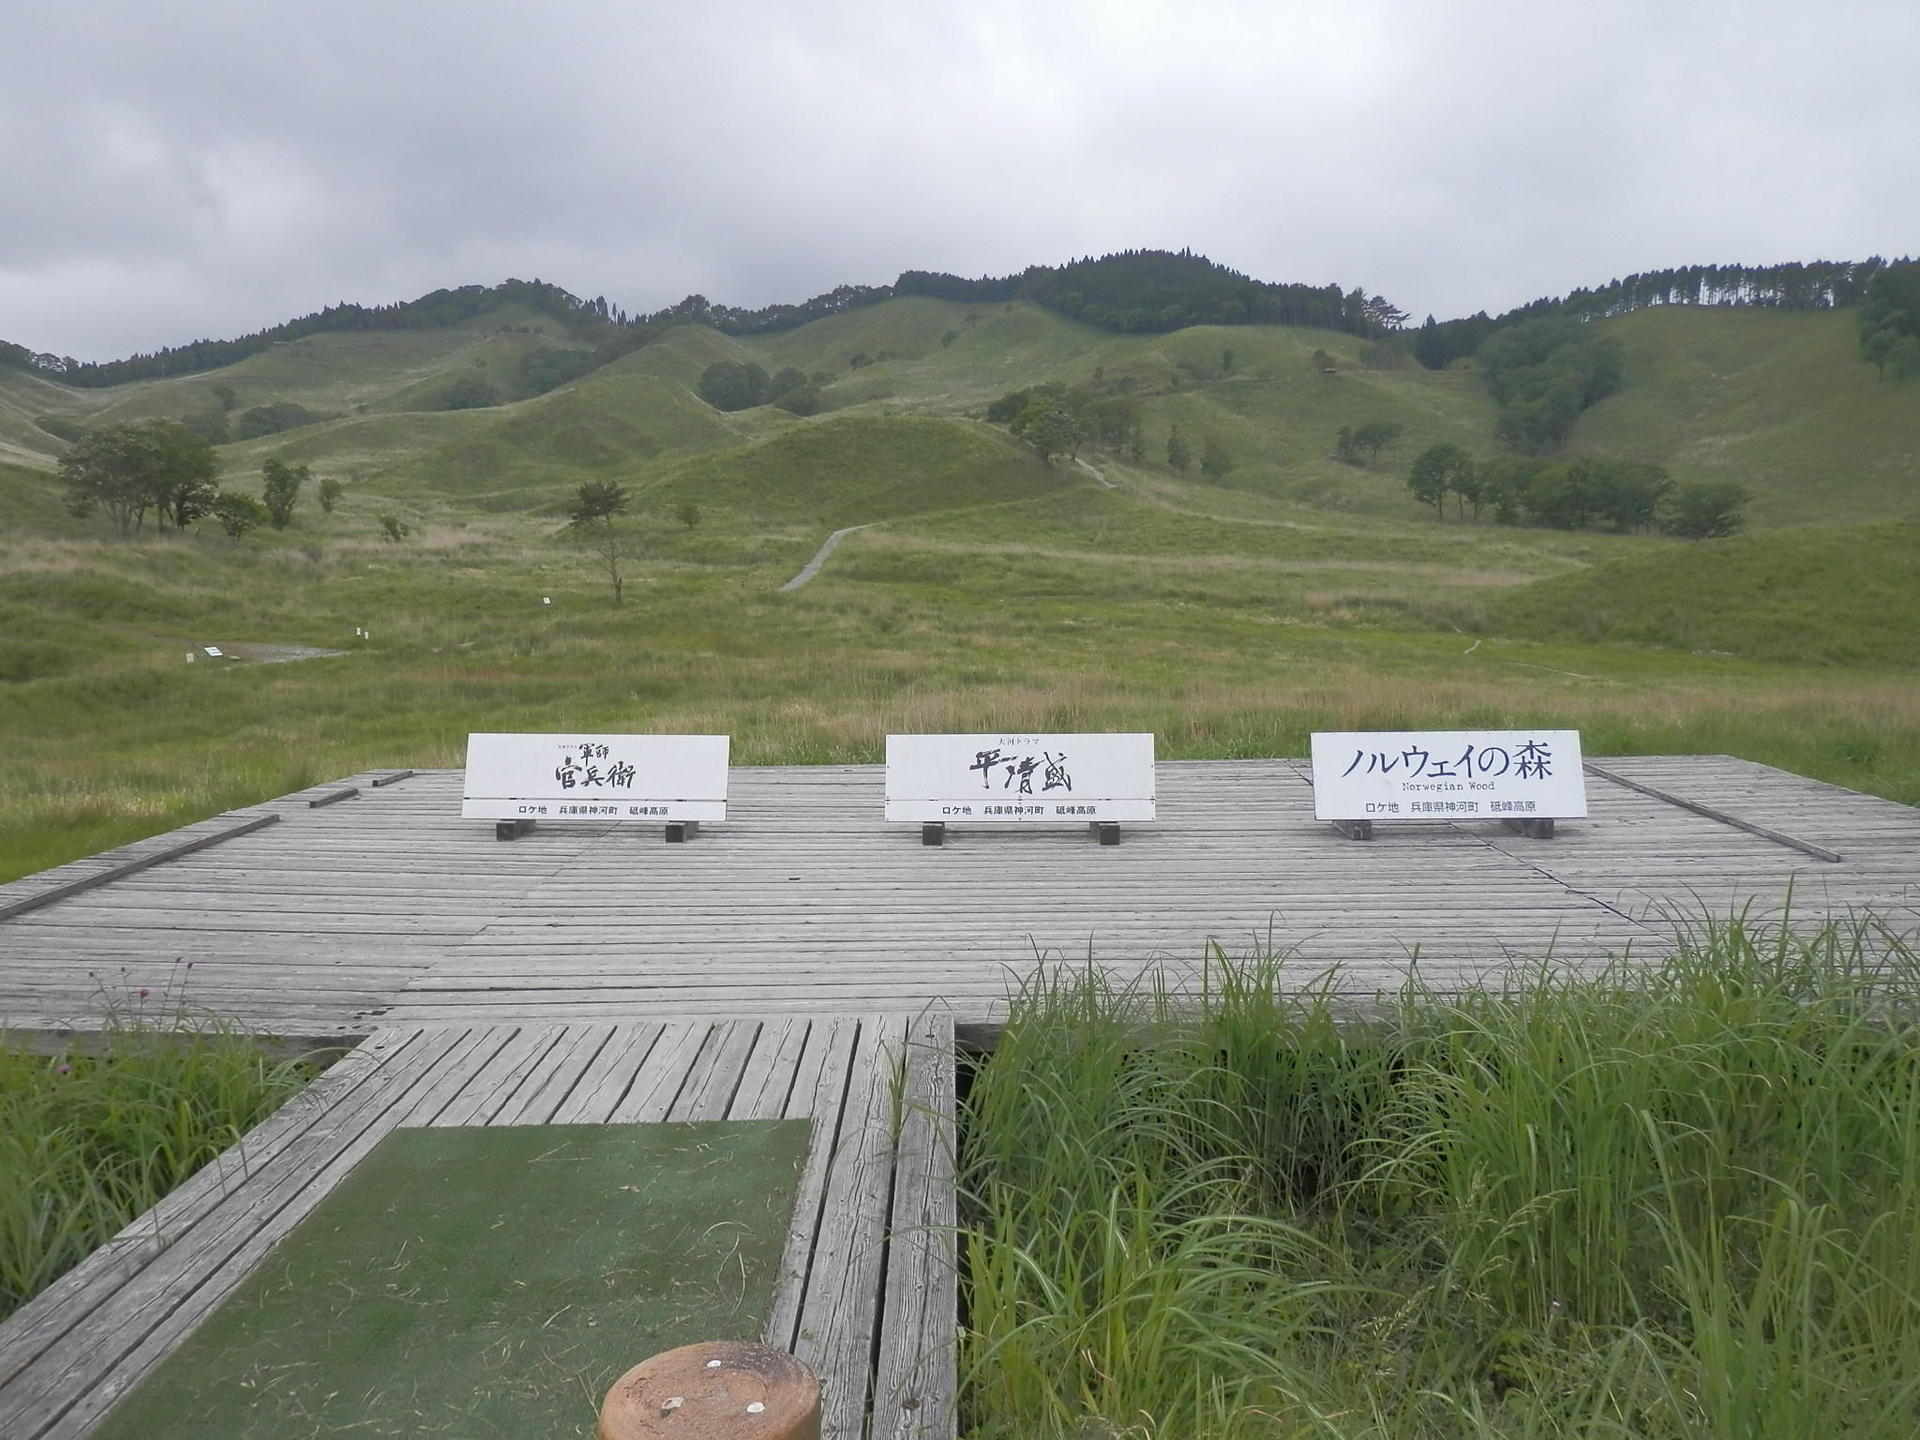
66 1069
143 992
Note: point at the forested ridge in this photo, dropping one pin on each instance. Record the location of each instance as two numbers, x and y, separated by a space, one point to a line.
1132 291
1812 285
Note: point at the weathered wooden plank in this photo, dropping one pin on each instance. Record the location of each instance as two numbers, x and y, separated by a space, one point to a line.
114 869
481 1095
1807 847
916 1379
844 1276
767 1079
547 1089
712 1080
657 1084
592 1100
819 1094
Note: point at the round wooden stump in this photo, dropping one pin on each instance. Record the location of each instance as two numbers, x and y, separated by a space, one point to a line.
719 1390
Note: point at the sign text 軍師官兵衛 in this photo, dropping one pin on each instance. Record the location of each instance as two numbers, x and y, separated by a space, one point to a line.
588 777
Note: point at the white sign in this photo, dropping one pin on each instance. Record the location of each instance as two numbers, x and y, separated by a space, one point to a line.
1449 775
1020 779
596 777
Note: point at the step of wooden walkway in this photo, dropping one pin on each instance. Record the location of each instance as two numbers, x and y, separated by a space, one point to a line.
866 1291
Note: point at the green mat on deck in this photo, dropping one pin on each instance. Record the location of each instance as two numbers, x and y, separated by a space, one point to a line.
487 1282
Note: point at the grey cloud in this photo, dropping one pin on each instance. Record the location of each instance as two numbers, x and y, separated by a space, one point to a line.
172 173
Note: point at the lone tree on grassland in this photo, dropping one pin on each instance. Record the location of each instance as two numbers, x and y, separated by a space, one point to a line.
237 513
596 506
1048 424
1373 436
1438 471
1710 510
280 490
1179 452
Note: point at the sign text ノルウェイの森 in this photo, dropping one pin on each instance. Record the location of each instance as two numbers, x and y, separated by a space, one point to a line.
1448 775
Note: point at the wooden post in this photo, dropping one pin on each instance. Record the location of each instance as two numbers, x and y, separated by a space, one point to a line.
718 1390
681 831
1538 829
1108 831
1355 829
933 832
511 829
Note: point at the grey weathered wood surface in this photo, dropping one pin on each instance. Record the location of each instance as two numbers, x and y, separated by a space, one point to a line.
393 909
865 1289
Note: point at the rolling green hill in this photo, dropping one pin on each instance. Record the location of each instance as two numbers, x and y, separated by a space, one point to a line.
1777 400
857 469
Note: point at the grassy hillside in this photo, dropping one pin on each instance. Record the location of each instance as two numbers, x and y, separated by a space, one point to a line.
855 469
1778 400
23 399
30 502
1845 595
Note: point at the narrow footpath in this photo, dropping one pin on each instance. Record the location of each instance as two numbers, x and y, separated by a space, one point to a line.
820 557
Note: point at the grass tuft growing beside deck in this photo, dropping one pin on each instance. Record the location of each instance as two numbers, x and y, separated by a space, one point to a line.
96 1134
1675 1200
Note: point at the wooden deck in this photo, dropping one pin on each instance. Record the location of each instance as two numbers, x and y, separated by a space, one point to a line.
866 1290
379 905
591 973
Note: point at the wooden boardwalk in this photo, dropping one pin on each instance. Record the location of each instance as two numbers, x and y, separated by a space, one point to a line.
381 906
866 1292
804 959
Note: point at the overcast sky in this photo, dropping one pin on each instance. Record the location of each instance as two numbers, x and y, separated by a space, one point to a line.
209 167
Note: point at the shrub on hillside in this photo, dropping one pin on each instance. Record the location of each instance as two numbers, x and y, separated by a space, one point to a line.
271 419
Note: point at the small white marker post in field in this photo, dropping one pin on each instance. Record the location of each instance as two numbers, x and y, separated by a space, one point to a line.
514 780
1016 779
1525 779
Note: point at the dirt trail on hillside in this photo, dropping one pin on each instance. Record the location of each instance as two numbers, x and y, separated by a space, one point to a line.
820 556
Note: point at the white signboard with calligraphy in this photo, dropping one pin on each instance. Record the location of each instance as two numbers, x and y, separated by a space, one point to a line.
1020 779
596 777
1449 775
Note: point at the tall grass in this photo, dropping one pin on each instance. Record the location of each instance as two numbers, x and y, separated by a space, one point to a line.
94 1135
1677 1199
